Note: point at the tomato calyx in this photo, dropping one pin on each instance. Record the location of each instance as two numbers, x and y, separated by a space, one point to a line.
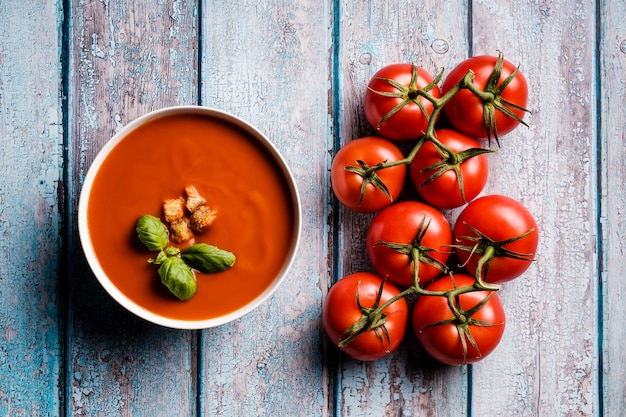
490 249
370 176
463 319
417 252
407 94
438 103
451 160
373 318
491 96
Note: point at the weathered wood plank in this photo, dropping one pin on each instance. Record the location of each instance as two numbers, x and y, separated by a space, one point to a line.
371 35
125 59
273 70
547 363
31 162
272 64
612 145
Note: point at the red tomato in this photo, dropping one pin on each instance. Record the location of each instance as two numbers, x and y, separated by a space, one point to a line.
466 111
454 341
502 224
401 229
439 178
362 191
343 308
392 104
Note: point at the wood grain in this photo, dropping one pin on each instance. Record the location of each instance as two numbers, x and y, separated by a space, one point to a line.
298 70
31 162
276 75
548 362
433 35
612 148
125 60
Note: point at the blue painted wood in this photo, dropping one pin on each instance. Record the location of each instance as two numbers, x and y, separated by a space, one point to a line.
433 35
31 161
298 71
612 157
548 362
273 69
125 59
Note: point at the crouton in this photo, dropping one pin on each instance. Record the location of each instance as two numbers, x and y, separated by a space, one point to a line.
180 230
174 209
202 218
194 199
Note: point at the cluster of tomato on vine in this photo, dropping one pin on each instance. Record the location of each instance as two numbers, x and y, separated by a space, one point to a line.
457 315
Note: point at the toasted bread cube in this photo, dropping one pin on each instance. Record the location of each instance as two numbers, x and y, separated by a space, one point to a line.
194 199
180 230
174 209
202 218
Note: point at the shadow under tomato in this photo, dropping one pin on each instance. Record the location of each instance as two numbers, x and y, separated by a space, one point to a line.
418 361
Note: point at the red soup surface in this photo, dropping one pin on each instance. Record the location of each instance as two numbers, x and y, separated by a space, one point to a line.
238 178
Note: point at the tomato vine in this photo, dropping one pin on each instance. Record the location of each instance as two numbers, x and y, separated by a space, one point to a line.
480 248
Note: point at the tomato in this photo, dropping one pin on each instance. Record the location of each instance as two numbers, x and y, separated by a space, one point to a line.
406 231
498 224
356 185
449 339
450 180
392 104
343 308
466 112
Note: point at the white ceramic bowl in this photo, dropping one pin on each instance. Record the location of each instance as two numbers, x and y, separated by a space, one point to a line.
179 314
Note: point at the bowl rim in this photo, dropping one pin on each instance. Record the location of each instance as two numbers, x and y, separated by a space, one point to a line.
97 269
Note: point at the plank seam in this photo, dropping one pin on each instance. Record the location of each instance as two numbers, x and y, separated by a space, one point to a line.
335 114
64 204
600 210
470 27
200 8
199 339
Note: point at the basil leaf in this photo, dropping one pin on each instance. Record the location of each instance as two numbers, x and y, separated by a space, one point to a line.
152 232
208 258
178 278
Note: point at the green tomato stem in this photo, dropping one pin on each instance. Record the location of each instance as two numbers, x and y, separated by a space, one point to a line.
467 82
374 317
485 260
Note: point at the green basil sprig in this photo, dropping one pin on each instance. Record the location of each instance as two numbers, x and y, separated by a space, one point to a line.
208 258
175 266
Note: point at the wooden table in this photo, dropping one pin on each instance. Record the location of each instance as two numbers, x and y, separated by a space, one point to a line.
72 73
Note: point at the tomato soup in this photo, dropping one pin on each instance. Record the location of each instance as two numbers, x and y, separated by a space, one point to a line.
237 176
